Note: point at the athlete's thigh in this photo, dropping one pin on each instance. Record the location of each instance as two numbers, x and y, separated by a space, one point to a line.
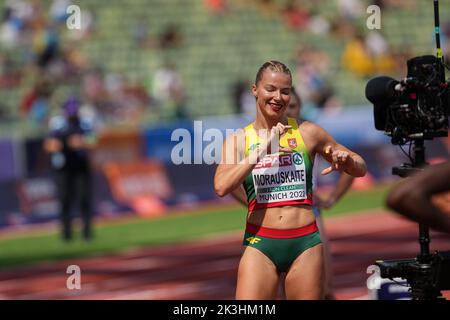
305 278
328 282
257 276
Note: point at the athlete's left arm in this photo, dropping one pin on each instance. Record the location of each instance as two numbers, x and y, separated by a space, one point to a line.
340 157
342 186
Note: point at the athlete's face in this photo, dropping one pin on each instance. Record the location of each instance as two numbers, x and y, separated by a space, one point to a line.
293 108
273 93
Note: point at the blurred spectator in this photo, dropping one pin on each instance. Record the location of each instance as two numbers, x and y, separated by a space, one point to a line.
45 46
141 34
350 9
243 100
59 15
9 31
366 56
217 7
129 100
342 29
74 61
16 16
268 7
93 87
401 56
171 37
294 16
166 83
88 25
380 52
69 141
58 10
36 103
318 24
356 57
9 75
136 102
313 66
168 91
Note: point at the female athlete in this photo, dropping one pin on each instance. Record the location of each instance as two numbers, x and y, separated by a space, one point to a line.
272 158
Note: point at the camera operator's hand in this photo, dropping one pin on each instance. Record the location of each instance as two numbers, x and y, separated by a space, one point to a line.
412 198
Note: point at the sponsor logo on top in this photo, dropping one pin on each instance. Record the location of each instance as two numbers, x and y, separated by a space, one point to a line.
272 160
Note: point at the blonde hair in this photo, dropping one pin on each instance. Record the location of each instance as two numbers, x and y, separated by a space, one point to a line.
272 65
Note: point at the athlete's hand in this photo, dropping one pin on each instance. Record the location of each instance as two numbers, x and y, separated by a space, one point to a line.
275 135
339 160
323 203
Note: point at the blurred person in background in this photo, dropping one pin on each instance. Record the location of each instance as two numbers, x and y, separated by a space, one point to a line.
295 16
216 7
243 100
281 233
45 45
171 37
380 52
169 92
356 57
36 103
413 197
11 73
312 68
69 142
320 201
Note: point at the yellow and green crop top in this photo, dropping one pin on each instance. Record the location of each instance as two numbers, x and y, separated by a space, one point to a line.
282 178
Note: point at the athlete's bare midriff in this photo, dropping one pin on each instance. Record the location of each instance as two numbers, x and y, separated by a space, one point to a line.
285 217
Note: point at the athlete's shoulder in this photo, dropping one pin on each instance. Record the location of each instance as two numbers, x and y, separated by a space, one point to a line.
310 128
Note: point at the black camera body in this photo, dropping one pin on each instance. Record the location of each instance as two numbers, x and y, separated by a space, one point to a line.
415 107
411 111
425 279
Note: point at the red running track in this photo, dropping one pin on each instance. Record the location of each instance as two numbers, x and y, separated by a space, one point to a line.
207 268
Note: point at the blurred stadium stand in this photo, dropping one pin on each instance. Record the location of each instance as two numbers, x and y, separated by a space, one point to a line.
210 50
142 65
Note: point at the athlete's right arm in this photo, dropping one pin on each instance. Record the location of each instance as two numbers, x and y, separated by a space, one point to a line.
234 167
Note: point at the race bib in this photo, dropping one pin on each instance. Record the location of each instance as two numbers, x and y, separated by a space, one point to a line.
280 177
